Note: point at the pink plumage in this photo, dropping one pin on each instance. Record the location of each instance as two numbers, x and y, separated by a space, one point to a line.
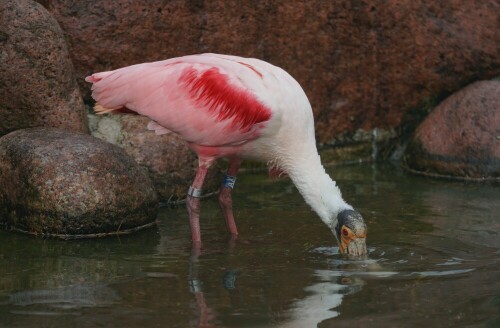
227 106
200 100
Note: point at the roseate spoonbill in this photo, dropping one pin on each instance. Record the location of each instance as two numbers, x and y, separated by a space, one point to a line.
237 108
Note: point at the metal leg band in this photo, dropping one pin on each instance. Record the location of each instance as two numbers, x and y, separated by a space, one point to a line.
194 285
193 192
229 181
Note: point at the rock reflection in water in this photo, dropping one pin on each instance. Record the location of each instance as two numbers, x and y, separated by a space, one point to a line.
68 297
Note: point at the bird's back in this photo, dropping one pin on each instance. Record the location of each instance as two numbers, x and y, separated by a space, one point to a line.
208 99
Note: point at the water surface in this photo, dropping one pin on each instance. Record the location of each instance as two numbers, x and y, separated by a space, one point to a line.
434 260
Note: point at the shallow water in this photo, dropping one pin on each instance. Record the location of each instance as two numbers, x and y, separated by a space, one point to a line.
434 260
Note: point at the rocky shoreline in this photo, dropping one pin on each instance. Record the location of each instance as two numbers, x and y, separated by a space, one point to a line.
370 70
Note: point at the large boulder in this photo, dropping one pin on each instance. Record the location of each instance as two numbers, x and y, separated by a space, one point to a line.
170 163
67 184
363 64
37 81
461 137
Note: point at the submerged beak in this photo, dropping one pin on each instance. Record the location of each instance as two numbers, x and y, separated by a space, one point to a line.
351 233
353 247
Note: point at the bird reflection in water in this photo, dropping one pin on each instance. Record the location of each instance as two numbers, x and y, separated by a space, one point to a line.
206 314
323 295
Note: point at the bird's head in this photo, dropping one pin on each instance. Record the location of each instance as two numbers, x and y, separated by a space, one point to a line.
351 233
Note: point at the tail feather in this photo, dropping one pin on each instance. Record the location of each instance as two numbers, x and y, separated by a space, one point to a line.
96 77
100 110
119 91
110 94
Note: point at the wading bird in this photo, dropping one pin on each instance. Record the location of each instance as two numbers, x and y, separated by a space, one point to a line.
236 108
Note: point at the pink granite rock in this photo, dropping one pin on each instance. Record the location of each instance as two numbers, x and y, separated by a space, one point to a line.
67 184
363 64
461 137
37 81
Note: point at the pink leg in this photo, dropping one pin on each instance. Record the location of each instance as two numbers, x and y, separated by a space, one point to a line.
193 199
225 198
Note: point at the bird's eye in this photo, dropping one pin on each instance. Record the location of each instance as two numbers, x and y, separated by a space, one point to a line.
345 232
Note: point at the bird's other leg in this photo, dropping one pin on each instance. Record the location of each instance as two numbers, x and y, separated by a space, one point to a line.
225 198
193 199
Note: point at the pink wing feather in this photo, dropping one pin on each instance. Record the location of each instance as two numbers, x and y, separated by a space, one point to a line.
208 100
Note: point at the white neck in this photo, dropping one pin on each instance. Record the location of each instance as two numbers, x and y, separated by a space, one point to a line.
316 186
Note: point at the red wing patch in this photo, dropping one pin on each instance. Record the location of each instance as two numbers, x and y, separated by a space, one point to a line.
212 90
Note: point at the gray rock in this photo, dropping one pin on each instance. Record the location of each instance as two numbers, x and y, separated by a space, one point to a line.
170 163
69 184
37 82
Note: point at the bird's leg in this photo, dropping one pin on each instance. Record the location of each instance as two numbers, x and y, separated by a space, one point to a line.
193 199
225 198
